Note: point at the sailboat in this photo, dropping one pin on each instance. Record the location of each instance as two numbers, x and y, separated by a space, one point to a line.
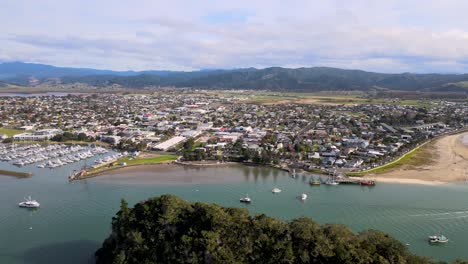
332 181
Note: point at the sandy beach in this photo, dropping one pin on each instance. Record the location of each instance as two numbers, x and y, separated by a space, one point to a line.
450 164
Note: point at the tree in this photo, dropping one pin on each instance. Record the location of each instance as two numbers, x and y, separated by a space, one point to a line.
189 144
168 229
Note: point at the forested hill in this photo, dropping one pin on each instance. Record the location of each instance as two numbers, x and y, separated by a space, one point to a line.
170 230
275 78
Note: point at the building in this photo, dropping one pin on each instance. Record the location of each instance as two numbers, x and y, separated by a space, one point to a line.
40 135
166 145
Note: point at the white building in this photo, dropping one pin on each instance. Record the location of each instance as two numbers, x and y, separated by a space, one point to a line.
164 146
40 135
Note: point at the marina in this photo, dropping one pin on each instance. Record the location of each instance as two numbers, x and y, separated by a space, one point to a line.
49 156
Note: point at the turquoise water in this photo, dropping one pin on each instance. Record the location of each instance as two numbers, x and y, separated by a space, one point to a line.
75 218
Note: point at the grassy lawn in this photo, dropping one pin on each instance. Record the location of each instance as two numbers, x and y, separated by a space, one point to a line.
10 132
132 162
419 156
150 160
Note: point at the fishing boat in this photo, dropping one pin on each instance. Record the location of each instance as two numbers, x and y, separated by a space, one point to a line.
438 239
303 197
29 203
245 199
276 190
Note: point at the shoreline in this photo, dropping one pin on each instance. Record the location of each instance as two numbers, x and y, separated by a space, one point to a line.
411 181
16 174
149 167
138 167
449 166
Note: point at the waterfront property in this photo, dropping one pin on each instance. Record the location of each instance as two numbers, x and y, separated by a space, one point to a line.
40 135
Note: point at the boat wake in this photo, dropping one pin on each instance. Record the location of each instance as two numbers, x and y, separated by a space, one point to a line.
449 218
439 214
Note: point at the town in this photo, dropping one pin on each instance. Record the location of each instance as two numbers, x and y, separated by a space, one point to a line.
225 127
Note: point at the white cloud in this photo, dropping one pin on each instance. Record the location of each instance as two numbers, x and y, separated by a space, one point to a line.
388 36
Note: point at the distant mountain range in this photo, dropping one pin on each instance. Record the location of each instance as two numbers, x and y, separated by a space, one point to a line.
275 78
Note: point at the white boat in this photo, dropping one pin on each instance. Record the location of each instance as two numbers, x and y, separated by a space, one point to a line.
276 190
29 203
245 199
438 239
303 197
332 182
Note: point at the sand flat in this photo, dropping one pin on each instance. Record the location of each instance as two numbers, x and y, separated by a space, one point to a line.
450 166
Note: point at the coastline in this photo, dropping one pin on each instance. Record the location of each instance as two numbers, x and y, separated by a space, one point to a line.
16 174
449 166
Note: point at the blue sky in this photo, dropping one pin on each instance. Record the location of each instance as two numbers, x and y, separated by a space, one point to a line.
382 36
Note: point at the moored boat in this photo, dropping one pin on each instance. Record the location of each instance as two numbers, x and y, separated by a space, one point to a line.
245 199
276 190
332 182
314 182
303 197
29 203
438 239
367 183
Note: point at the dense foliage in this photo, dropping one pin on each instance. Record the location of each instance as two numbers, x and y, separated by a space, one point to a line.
67 136
170 230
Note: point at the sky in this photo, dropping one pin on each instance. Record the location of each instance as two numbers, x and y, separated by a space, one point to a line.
381 36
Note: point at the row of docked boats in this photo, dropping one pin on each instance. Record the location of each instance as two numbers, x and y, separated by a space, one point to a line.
50 156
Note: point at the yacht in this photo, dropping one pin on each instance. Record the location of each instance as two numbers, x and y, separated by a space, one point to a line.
303 197
438 239
276 190
28 203
332 182
245 199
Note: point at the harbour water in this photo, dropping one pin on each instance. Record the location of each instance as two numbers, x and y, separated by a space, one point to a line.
75 218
